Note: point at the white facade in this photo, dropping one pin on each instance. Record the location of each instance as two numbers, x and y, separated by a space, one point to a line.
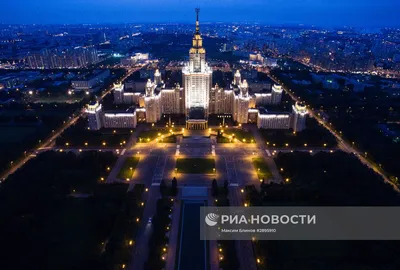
120 120
157 77
94 114
170 100
221 101
197 76
299 117
242 104
198 94
276 94
118 93
273 121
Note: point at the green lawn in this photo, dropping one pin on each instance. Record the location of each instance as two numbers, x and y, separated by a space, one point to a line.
240 134
128 168
161 133
262 168
221 139
195 165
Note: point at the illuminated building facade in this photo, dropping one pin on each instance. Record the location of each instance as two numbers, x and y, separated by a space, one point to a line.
299 116
97 118
197 99
197 80
94 113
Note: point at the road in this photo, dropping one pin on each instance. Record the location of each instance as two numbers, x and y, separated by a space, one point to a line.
140 251
49 141
344 145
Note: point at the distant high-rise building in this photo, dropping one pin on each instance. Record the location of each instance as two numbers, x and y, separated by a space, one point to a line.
66 58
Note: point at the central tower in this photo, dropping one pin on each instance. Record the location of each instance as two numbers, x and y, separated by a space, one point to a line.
197 80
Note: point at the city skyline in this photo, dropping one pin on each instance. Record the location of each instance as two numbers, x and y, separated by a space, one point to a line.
368 14
118 140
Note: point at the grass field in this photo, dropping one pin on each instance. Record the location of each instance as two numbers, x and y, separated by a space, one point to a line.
128 168
195 165
161 133
262 168
240 134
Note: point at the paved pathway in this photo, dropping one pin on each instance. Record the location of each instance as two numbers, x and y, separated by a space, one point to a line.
173 237
140 250
113 176
244 248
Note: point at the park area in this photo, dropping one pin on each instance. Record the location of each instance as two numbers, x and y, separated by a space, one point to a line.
65 211
22 129
195 165
313 136
262 168
78 135
128 168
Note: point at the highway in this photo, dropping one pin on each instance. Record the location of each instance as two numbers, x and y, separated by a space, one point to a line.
345 146
49 141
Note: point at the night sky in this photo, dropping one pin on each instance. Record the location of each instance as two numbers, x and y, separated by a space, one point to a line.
362 13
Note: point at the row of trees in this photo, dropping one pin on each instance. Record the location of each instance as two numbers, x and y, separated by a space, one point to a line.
219 191
169 190
158 243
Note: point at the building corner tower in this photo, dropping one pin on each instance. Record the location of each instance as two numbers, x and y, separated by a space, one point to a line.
299 116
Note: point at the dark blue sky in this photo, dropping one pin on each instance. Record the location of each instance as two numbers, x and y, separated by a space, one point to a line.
368 13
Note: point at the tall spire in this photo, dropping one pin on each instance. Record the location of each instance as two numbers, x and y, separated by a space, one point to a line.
197 21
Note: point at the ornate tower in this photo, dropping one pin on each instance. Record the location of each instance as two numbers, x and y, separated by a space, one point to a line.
237 78
152 103
157 77
197 78
242 101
